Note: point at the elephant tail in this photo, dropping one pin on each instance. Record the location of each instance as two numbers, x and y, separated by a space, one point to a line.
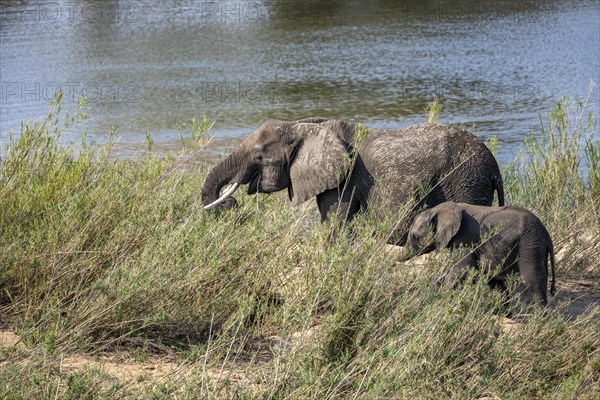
552 261
499 186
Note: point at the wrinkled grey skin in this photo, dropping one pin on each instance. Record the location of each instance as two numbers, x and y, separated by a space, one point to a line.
312 158
510 237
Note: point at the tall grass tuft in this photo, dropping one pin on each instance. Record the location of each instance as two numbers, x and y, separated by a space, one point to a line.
553 163
106 257
555 174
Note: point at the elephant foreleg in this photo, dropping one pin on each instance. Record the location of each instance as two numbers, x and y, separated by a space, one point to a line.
458 272
343 203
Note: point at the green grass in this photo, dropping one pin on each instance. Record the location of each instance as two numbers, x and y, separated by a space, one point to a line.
116 257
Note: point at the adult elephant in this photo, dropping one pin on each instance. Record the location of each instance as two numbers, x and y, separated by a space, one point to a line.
349 168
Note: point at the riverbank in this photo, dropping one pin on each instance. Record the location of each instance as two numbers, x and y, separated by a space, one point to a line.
115 283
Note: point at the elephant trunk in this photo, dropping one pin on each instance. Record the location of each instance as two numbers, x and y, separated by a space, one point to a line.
222 174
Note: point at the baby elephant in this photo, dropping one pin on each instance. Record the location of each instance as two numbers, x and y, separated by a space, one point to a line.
509 236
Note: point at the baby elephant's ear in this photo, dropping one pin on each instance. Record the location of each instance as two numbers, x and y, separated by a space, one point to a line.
448 217
320 162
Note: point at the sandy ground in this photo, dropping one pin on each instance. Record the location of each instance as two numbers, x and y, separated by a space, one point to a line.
580 293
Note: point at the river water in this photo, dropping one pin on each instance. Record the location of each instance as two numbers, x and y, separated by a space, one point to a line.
147 65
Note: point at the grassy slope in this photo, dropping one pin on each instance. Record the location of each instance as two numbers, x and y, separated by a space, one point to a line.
104 256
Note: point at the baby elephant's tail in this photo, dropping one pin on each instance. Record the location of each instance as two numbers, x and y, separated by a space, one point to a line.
553 282
498 185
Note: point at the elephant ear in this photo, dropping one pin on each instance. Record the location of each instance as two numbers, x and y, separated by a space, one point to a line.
320 162
449 217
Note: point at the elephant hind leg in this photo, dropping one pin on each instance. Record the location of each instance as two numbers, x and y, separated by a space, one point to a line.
536 281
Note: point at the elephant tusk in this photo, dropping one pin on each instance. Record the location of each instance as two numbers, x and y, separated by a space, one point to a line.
232 188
